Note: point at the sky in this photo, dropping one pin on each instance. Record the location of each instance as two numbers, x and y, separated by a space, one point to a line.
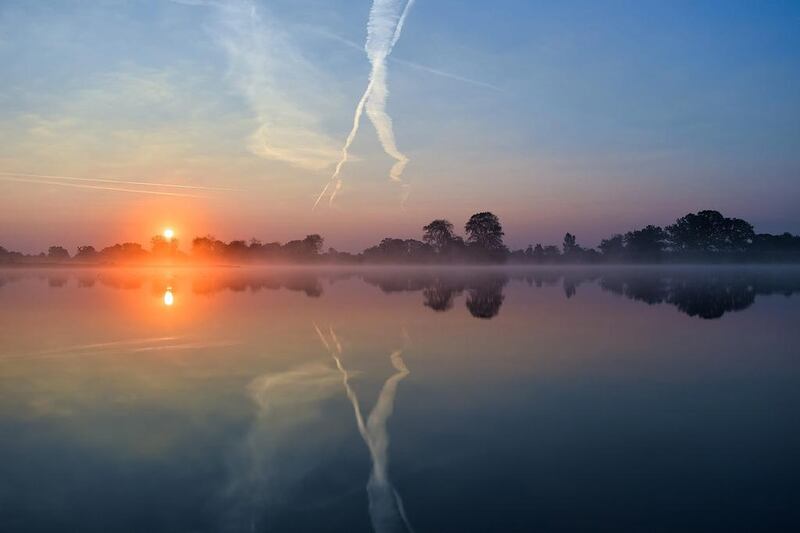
121 117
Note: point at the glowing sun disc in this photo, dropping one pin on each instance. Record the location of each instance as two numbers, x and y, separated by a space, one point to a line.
169 234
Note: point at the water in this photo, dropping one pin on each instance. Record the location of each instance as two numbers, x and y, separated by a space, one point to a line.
629 399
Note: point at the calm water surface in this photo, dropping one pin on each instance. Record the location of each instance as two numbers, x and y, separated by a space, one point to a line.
629 399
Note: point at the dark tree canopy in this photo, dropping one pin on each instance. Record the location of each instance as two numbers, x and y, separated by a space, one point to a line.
57 253
709 231
438 234
570 245
485 231
86 253
613 246
648 241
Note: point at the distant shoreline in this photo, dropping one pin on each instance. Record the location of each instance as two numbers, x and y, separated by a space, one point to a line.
401 266
705 237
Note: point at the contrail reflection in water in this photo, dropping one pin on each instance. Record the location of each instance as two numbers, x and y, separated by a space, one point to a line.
385 505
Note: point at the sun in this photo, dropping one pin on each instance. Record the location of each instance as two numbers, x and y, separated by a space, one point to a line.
169 234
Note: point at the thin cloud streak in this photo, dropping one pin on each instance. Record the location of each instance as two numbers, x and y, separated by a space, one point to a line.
445 74
98 187
118 181
412 64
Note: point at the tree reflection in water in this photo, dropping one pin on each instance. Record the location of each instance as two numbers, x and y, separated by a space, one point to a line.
703 292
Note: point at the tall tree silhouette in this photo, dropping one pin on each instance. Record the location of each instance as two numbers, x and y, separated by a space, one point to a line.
438 234
570 245
485 235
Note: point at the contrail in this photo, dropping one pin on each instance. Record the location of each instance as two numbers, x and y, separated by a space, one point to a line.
386 510
350 138
118 181
405 62
444 74
385 24
98 187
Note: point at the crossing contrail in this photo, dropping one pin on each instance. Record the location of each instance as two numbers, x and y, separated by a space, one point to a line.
411 64
385 24
386 510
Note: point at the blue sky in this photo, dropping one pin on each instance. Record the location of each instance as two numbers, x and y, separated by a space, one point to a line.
589 117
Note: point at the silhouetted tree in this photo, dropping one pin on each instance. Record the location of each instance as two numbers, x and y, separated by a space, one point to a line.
646 243
399 251
86 253
438 234
709 231
306 250
57 253
418 251
269 251
537 254
550 253
314 243
162 247
238 250
785 245
613 247
570 246
125 252
485 234
207 247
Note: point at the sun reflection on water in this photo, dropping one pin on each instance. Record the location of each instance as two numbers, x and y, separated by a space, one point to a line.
169 299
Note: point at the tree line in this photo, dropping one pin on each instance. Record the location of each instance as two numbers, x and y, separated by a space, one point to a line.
705 236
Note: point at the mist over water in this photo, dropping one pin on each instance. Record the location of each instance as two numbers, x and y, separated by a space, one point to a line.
374 399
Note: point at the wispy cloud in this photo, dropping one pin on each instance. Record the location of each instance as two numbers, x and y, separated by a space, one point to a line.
96 187
385 24
165 126
273 77
275 454
114 180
